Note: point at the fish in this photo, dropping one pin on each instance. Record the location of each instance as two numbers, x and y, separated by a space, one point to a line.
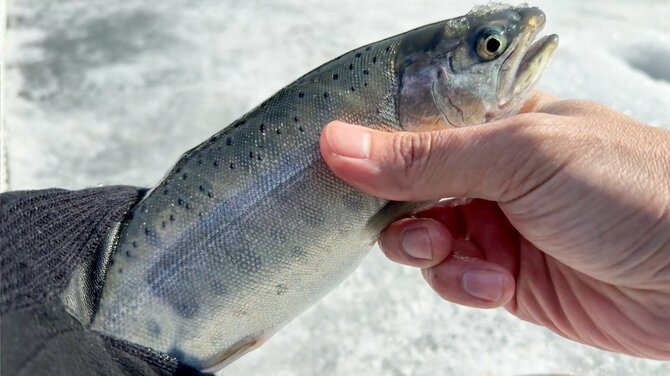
250 228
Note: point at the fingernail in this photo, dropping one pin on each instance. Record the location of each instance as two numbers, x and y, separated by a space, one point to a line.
349 141
416 243
483 284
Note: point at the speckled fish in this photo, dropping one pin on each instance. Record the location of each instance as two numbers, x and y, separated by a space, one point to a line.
250 228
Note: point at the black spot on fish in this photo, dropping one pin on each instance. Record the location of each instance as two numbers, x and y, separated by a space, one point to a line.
336 76
147 231
165 191
358 54
262 128
365 71
199 161
251 154
295 119
259 157
232 166
229 141
215 163
245 260
301 129
388 48
365 84
325 95
278 131
134 243
128 254
180 202
281 289
188 206
374 60
171 217
120 271
201 188
199 214
183 177
163 224
178 170
210 195
353 88
351 66
301 95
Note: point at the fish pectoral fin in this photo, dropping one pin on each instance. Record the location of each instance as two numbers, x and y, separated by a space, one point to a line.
234 352
394 210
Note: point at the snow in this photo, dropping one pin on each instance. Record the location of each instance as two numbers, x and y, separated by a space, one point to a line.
102 92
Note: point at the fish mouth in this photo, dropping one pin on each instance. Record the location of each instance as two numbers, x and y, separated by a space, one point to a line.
523 67
533 62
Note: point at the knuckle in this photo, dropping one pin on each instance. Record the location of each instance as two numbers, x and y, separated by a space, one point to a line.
411 155
529 120
533 129
537 152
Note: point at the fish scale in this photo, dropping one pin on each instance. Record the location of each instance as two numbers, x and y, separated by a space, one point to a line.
250 228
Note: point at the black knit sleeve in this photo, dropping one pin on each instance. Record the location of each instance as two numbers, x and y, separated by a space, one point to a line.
45 238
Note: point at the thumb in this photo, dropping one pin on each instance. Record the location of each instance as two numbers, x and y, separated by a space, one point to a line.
499 161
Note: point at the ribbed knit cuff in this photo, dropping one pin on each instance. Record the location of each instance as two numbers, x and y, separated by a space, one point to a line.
44 235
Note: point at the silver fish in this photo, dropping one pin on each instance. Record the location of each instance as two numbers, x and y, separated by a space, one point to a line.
250 228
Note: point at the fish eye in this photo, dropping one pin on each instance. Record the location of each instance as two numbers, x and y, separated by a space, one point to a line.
491 44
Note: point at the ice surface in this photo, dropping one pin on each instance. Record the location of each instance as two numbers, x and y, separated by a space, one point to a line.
103 92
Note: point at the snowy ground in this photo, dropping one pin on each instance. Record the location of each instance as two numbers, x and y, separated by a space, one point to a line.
106 92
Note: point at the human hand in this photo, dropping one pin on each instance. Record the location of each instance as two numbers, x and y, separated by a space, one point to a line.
569 228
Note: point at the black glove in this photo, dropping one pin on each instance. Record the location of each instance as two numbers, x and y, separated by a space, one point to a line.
54 259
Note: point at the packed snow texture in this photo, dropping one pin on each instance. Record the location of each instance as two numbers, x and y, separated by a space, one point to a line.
107 92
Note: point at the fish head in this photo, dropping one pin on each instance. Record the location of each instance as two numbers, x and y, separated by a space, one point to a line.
472 69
